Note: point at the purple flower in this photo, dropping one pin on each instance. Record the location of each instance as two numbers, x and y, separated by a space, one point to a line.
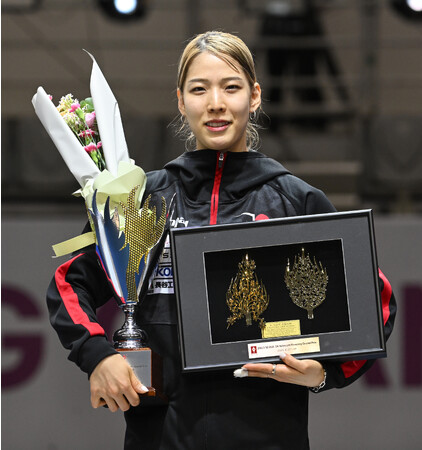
90 119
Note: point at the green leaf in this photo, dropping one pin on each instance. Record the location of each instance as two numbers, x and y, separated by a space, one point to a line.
88 104
80 113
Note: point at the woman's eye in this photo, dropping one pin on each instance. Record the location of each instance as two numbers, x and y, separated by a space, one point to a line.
197 89
233 87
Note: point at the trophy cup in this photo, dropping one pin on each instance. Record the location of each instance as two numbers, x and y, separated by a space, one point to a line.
128 242
129 253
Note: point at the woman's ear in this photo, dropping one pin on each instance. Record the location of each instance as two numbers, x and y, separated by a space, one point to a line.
180 102
255 97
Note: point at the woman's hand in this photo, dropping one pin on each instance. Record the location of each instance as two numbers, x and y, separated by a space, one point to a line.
114 383
306 372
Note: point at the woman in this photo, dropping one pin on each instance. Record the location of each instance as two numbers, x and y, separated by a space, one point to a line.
222 181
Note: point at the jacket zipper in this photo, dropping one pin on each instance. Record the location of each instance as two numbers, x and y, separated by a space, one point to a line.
221 159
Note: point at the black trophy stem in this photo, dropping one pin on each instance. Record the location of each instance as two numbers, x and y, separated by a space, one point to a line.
130 336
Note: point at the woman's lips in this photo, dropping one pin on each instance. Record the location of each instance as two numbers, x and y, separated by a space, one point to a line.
217 125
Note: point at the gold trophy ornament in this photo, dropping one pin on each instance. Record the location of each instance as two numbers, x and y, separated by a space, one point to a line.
246 297
129 252
307 282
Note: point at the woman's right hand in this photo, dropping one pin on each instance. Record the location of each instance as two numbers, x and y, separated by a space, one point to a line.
114 383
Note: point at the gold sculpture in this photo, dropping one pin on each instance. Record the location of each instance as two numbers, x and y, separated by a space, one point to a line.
246 297
142 231
307 282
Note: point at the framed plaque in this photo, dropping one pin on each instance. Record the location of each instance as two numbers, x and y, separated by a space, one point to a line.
306 285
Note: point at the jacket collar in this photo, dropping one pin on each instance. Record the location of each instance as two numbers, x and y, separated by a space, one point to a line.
242 172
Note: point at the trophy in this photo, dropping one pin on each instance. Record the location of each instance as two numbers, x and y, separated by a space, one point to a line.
307 282
129 253
130 240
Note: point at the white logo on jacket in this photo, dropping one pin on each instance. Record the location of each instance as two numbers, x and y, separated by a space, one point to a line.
254 217
175 222
162 278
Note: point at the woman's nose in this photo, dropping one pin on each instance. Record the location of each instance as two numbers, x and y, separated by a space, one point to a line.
216 101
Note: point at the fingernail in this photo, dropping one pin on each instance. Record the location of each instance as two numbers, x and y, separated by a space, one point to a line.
241 373
144 389
282 355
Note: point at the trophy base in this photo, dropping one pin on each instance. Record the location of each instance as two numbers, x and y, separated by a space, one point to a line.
147 366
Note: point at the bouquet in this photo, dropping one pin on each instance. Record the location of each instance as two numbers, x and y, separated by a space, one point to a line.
81 119
90 138
111 184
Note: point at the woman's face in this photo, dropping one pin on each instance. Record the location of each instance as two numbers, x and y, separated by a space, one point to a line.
216 101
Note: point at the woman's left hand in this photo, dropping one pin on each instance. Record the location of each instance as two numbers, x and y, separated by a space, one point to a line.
306 372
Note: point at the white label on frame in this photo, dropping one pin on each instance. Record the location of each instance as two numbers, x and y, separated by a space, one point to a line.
292 346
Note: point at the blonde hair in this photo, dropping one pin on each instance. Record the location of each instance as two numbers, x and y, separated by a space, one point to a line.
229 48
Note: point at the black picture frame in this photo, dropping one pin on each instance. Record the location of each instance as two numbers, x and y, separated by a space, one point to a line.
346 325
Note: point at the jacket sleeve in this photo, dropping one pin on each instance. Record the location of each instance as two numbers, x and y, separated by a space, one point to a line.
341 374
78 288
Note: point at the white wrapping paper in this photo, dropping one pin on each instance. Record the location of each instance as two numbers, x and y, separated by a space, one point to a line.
121 174
108 120
109 125
76 158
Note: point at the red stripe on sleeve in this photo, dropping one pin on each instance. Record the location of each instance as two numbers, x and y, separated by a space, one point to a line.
71 301
385 297
351 367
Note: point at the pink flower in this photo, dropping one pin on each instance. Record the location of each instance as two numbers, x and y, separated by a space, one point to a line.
90 147
74 107
88 132
100 144
90 119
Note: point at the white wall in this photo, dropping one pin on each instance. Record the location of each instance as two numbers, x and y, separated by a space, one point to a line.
383 416
51 408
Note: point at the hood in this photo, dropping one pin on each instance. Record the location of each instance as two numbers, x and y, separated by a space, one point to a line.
240 173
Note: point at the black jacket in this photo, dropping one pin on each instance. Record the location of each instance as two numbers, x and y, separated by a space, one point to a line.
206 410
